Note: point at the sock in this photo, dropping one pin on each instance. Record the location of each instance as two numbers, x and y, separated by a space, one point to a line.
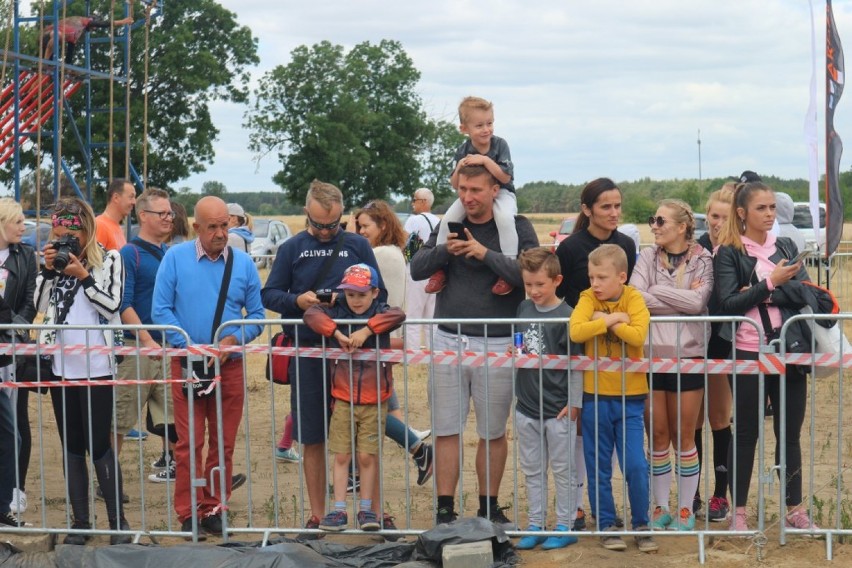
340 505
699 445
580 459
687 466
486 501
721 441
661 477
445 502
366 504
286 441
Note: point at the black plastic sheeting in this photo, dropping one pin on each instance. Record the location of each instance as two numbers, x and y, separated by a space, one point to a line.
279 553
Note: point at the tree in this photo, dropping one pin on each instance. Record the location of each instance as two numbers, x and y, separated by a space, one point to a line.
198 53
440 142
215 188
352 119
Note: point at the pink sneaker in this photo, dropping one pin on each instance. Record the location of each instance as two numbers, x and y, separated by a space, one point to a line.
738 521
799 519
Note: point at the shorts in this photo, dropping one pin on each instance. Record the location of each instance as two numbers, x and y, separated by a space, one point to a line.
718 348
452 387
368 427
158 397
310 399
393 401
672 382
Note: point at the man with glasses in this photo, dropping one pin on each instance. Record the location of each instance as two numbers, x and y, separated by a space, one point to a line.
419 304
301 278
121 197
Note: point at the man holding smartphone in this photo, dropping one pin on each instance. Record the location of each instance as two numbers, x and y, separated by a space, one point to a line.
307 269
472 259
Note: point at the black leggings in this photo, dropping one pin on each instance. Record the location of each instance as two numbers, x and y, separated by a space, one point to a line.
746 421
72 418
25 449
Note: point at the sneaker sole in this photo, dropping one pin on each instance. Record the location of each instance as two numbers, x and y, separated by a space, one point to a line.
648 548
332 529
287 460
370 527
157 479
615 545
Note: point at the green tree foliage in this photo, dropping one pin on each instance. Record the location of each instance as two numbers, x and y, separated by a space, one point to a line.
197 54
215 188
353 119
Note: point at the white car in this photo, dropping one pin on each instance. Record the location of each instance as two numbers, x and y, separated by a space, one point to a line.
268 236
803 221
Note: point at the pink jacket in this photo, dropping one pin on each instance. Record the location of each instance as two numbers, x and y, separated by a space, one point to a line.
665 297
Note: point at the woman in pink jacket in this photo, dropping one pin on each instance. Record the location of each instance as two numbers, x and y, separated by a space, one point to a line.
675 278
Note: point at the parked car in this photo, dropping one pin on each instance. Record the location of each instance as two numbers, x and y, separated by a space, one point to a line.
803 221
565 229
700 225
36 233
268 236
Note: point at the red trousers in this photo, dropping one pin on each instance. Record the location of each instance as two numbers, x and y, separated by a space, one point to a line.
205 428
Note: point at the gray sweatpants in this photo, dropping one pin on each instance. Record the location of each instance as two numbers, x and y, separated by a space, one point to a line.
539 444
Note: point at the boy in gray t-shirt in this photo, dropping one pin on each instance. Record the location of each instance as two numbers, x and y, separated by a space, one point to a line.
548 402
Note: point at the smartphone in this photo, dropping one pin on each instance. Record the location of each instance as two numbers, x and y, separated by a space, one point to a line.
324 297
458 229
800 257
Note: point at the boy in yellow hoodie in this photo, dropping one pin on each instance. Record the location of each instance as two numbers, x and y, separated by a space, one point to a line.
611 319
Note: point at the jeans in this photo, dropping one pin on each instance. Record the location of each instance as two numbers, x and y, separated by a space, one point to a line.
9 440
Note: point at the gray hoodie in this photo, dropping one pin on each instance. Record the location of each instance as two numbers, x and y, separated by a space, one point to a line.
784 215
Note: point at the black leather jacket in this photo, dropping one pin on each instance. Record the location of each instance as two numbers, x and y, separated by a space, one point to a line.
733 271
21 282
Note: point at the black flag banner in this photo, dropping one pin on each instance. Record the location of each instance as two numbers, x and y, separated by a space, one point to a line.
834 80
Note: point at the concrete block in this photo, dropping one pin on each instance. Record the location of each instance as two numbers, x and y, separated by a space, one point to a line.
30 542
468 555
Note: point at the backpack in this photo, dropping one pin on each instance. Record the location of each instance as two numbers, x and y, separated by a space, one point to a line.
414 242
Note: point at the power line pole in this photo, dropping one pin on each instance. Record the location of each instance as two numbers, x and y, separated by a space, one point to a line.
699 154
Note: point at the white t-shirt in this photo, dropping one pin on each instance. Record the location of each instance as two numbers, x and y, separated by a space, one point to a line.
418 224
82 365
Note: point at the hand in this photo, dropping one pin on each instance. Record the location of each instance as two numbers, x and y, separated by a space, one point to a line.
343 340
571 412
49 253
598 315
75 268
696 284
783 272
357 338
149 343
306 300
471 248
227 340
473 160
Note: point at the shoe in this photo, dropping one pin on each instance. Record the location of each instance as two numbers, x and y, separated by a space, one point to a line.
313 524
212 524
436 282
661 519
422 434
685 520
613 542
531 541
799 519
165 475
19 501
423 460
368 521
445 515
186 527
501 288
718 509
499 518
646 543
579 521
619 522
237 481
389 525
554 542
697 504
335 521
125 498
353 484
78 539
135 434
738 521
288 455
8 520
164 460
123 525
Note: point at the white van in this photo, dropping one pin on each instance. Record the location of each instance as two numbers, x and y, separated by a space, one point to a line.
803 221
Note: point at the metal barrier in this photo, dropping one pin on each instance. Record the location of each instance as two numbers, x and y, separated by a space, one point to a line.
275 498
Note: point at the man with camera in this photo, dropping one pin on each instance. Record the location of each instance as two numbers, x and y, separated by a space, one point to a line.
307 269
121 197
199 281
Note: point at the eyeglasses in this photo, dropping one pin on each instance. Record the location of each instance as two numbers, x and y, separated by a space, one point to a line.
163 215
659 221
413 199
323 226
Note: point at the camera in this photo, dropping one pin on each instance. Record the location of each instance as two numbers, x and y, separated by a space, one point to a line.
65 246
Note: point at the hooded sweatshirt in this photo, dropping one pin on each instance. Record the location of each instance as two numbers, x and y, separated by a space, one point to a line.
747 337
240 238
785 209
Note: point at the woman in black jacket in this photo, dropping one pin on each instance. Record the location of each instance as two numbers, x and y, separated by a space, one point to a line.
17 282
752 268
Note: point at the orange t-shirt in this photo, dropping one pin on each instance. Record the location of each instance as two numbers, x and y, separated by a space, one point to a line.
110 234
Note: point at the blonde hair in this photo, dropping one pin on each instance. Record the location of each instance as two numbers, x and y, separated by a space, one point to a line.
472 103
612 253
10 210
325 194
535 259
735 227
724 194
92 252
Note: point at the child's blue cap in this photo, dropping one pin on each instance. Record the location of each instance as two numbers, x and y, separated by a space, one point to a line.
360 277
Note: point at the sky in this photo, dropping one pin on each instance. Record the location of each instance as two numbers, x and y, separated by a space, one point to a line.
581 89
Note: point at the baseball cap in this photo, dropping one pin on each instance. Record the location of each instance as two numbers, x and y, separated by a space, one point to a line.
749 176
360 278
236 209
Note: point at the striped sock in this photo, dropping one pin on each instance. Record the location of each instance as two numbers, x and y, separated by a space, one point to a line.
661 480
688 468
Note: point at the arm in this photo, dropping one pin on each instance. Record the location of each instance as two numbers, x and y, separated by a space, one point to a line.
642 278
28 287
318 319
163 305
387 320
635 332
500 264
735 297
581 326
106 296
692 301
276 295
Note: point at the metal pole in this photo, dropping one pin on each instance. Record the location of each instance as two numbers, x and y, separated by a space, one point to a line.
699 154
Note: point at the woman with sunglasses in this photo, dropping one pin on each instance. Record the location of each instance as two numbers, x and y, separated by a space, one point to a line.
752 268
597 224
82 284
675 277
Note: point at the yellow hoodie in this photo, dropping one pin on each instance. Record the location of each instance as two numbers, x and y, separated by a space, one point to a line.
594 332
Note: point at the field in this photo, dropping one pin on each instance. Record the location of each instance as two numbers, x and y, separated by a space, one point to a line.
272 496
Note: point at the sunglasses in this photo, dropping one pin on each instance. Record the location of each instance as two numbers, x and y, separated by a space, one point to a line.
67 206
659 221
163 215
323 226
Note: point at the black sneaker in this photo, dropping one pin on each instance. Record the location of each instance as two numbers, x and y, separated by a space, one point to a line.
697 504
186 527
78 539
353 484
499 518
212 524
423 459
237 481
445 515
579 521
8 520
163 462
122 525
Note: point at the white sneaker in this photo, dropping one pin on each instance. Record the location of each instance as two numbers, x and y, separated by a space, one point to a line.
422 434
164 475
19 501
